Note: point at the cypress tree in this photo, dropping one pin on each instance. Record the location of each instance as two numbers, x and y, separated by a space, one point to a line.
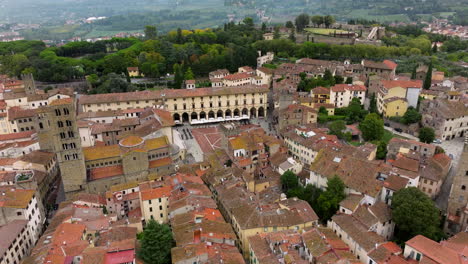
428 79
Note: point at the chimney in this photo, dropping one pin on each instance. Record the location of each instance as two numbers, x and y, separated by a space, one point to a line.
197 236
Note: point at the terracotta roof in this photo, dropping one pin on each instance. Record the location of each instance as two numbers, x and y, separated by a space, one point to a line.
433 250
17 112
38 157
358 232
131 141
156 193
386 64
405 163
395 182
101 152
90 198
160 163
352 201
388 84
170 93
106 172
9 233
62 101
238 76
384 251
349 87
320 90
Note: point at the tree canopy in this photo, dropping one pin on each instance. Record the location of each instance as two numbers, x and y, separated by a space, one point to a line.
414 214
426 135
156 243
289 180
328 202
372 127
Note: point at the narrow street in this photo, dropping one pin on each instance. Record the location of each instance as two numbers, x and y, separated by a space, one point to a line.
442 199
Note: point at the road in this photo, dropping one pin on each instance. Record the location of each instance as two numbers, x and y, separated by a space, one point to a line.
408 136
441 200
453 148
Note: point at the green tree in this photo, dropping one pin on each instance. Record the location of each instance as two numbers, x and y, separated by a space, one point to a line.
336 128
302 21
329 200
328 77
289 24
289 180
292 36
372 127
373 104
317 20
355 111
349 80
276 33
178 76
264 27
156 243
413 72
323 110
411 116
248 21
339 79
426 135
381 150
414 214
328 20
428 79
189 74
434 48
150 32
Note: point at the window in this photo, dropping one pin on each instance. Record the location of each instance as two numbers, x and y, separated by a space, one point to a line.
68 122
59 123
463 187
151 209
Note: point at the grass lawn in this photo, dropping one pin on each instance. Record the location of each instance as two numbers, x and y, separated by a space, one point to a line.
324 31
355 143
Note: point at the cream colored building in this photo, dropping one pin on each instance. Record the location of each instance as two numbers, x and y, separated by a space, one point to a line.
154 204
341 95
197 106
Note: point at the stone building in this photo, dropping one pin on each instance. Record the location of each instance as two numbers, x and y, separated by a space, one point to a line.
457 214
58 132
133 159
196 106
447 116
385 69
16 243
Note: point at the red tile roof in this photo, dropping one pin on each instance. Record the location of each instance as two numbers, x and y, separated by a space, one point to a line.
238 76
105 172
433 250
126 256
156 193
400 83
349 87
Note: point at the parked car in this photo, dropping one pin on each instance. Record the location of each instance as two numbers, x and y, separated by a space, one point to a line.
399 130
387 124
437 141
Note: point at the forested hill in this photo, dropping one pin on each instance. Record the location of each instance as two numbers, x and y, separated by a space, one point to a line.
204 50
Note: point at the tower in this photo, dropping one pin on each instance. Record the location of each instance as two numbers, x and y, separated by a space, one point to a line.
457 215
29 84
58 132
